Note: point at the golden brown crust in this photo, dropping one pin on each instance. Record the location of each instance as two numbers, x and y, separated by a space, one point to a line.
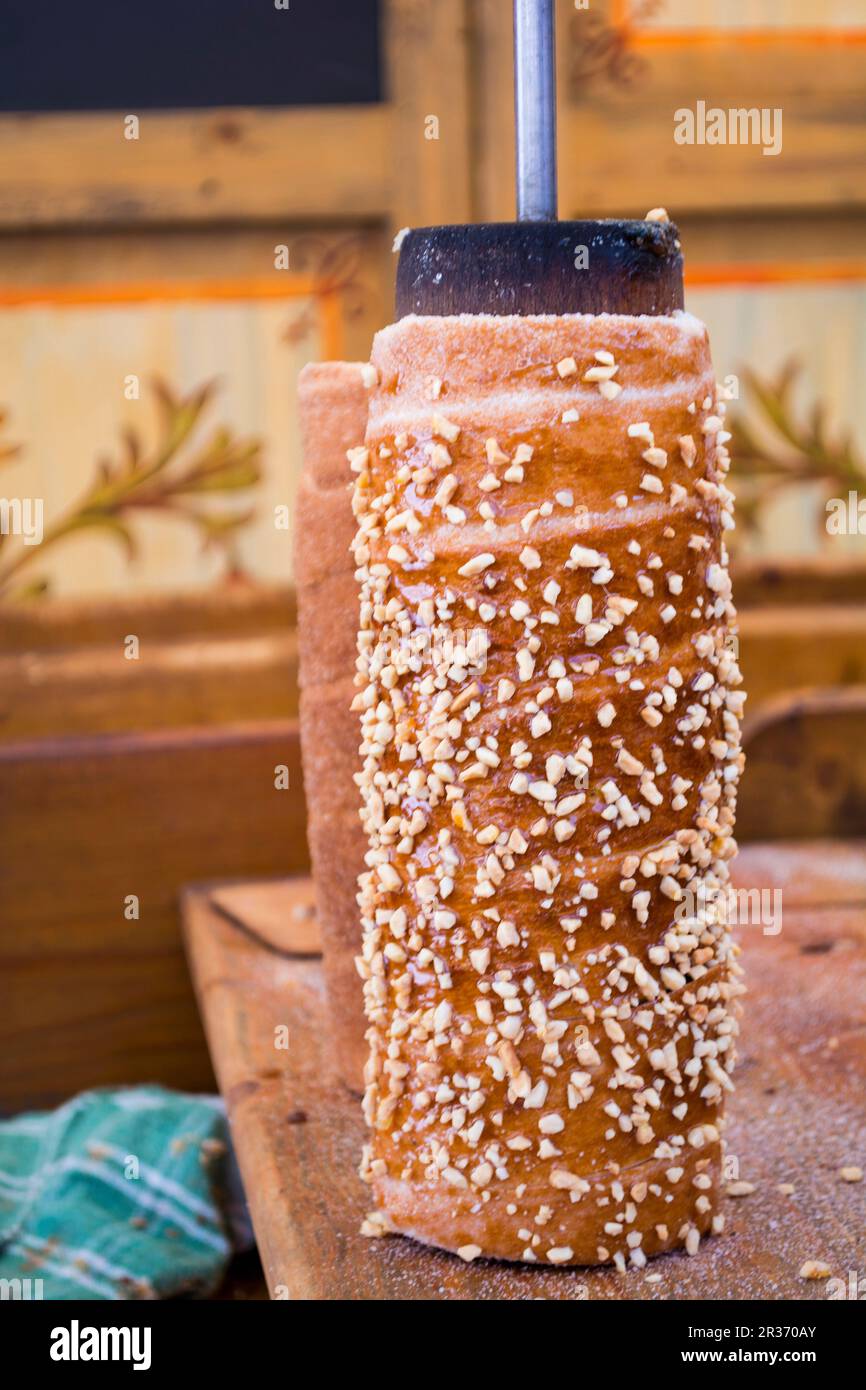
552 1015
333 411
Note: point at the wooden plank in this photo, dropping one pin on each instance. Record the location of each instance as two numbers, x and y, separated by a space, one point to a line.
617 141
619 116
298 1134
355 261
429 83
798 581
617 149
720 241
66 673
169 685
805 772
226 610
222 655
331 163
617 155
280 915
96 997
795 648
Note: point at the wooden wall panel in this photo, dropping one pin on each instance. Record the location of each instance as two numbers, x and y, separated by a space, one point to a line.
619 87
91 998
353 164
155 257
195 166
805 775
204 197
173 684
183 308
431 88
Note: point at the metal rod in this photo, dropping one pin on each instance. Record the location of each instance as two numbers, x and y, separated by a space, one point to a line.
535 110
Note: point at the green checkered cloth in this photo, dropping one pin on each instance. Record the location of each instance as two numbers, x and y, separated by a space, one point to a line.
119 1194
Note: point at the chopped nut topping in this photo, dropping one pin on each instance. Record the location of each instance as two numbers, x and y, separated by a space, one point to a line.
739 1189
543 796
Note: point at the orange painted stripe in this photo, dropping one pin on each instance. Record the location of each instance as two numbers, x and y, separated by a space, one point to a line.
155 291
678 38
332 326
190 292
774 272
621 17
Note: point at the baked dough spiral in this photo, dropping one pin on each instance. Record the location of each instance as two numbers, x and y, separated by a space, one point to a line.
332 405
550 744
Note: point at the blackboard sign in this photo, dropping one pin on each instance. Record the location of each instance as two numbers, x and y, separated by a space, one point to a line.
137 55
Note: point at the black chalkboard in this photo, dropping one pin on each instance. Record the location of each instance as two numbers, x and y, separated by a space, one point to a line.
136 55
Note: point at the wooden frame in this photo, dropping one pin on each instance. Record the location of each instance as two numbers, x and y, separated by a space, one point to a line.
96 997
193 166
372 164
621 16
312 164
618 90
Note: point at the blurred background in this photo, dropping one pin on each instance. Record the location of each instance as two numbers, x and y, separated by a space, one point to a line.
196 202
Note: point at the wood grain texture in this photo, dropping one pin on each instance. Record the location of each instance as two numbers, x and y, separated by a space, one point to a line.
196 166
428 55
795 648
333 163
171 684
225 610
796 1117
96 998
332 409
225 655
806 767
257 908
616 104
356 261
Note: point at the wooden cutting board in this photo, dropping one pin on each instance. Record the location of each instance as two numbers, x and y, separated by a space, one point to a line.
797 1118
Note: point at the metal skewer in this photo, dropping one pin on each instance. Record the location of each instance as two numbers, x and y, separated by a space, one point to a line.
535 109
531 266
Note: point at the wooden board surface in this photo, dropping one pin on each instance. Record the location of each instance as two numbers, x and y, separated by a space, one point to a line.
797 1116
97 988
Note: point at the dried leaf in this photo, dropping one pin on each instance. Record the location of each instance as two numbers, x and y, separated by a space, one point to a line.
154 480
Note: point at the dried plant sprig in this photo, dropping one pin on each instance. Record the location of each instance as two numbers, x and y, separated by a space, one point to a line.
172 479
796 451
